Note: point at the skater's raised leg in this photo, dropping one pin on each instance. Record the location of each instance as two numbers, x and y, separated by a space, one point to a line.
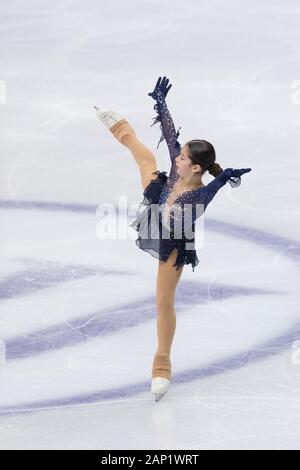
125 134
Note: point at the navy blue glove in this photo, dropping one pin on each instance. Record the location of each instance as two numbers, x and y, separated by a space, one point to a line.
161 89
233 176
236 172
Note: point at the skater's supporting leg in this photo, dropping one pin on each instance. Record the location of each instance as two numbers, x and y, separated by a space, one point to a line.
144 158
167 279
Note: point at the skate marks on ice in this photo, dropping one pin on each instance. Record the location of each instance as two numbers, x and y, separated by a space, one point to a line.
18 346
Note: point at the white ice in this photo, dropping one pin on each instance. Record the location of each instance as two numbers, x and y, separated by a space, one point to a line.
78 320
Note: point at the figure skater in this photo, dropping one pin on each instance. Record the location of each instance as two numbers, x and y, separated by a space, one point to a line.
183 187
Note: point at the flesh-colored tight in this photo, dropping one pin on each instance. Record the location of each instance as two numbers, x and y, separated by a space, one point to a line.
167 275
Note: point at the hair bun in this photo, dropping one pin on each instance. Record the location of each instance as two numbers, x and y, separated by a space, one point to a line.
211 168
215 169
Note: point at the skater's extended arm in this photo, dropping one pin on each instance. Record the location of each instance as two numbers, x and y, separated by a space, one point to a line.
197 201
164 117
233 176
205 195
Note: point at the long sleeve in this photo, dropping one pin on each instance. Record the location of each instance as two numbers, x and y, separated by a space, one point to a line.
213 187
191 205
167 128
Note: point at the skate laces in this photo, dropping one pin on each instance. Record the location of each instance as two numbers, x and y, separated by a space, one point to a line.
109 120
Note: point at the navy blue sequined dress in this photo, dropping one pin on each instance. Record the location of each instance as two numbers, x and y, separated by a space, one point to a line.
155 213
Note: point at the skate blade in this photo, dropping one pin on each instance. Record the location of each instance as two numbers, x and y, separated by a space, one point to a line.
158 396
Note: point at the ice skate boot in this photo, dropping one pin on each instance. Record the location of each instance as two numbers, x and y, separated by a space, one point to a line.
159 387
115 122
161 375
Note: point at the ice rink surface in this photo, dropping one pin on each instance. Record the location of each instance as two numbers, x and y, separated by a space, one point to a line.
78 318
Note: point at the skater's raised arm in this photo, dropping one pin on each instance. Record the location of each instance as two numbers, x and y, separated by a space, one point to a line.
163 116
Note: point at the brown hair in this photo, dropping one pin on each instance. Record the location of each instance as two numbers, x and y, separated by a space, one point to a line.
203 153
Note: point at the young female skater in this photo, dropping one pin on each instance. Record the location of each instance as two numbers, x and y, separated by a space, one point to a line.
182 189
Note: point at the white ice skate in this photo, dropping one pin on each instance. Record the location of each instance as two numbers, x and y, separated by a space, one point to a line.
159 387
108 117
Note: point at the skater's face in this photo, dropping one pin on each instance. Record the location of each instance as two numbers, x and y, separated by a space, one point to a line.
184 164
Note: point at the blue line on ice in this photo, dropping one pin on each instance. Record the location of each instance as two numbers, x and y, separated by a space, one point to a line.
290 248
